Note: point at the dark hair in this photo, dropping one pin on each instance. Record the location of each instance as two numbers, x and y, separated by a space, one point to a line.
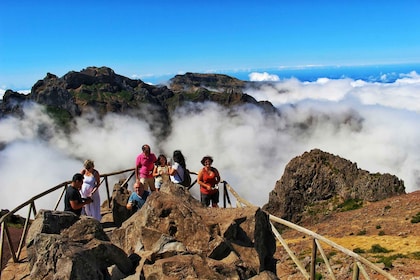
179 157
77 177
206 158
144 147
157 162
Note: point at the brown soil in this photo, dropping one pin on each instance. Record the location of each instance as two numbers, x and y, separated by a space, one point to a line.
15 234
384 224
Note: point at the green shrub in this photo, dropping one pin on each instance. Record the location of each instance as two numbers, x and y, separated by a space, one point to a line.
381 233
376 248
358 250
378 226
416 218
387 261
415 255
362 232
350 204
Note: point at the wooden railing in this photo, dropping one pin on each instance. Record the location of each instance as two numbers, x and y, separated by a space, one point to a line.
316 245
30 203
226 189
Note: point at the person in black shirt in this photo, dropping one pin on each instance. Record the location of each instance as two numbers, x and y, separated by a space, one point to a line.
73 200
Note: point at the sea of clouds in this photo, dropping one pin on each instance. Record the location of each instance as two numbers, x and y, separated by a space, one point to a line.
375 125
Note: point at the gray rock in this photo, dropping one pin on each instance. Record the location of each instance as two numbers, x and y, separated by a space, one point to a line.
319 177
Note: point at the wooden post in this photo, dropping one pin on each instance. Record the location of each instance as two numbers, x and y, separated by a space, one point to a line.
355 271
313 259
107 191
24 233
61 196
33 208
1 244
224 195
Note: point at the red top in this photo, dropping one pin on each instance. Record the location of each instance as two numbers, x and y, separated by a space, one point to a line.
209 177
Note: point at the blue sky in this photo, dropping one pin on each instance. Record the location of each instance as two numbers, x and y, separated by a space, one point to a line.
147 39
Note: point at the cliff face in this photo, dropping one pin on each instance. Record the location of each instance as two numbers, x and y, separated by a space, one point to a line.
318 183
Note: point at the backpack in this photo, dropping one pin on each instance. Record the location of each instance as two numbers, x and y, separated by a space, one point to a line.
186 182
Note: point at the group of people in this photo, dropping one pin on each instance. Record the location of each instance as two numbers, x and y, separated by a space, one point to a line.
82 196
152 172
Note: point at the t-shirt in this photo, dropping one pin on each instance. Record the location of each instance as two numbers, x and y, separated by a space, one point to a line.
71 195
138 201
210 178
178 177
147 164
164 170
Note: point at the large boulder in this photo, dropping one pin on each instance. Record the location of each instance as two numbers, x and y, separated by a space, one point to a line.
173 231
61 245
318 181
119 199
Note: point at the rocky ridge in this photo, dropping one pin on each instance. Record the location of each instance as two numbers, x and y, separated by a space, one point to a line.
318 183
101 90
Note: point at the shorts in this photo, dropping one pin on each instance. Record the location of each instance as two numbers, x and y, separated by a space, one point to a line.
148 183
207 198
158 183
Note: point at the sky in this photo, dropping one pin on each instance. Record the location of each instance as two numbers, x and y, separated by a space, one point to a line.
155 40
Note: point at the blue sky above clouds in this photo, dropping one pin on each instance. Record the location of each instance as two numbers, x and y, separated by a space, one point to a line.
148 39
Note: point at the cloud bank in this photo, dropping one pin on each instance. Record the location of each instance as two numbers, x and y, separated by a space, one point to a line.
372 124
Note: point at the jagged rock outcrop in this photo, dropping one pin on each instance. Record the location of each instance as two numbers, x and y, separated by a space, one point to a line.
222 89
177 237
101 90
171 237
316 182
12 103
60 245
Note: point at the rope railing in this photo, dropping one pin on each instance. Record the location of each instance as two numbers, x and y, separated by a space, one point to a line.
30 203
359 262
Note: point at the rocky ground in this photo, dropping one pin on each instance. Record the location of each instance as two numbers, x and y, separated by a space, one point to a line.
384 224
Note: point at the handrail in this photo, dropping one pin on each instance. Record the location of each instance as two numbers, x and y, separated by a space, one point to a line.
4 230
358 264
359 260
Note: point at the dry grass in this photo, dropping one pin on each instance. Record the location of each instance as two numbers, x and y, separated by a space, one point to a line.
385 224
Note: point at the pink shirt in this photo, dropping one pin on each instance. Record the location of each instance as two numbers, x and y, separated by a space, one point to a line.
145 164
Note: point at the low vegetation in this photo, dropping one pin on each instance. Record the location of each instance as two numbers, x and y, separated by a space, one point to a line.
416 218
350 204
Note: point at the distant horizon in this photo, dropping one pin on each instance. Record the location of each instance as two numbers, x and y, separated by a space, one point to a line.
242 74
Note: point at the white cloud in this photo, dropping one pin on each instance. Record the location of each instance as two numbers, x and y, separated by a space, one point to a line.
374 125
260 77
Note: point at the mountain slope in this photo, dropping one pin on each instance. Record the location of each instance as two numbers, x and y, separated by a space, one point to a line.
384 225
